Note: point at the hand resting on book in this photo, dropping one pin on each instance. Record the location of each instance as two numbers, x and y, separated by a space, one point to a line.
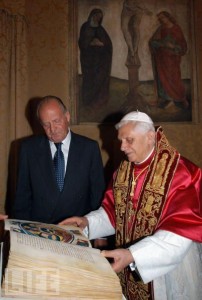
80 222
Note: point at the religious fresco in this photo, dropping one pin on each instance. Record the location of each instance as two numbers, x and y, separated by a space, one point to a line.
143 60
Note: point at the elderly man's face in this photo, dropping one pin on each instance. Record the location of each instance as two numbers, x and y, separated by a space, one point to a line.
54 121
135 144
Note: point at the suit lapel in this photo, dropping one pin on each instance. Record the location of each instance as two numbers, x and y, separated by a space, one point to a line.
72 162
46 165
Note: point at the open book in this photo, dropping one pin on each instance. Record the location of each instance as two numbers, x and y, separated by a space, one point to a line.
51 262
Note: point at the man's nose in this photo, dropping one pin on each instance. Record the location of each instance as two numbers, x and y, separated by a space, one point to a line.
123 146
52 127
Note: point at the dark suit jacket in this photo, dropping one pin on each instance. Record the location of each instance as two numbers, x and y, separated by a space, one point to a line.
38 197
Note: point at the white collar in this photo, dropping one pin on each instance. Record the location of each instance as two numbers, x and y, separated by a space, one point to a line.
66 140
139 163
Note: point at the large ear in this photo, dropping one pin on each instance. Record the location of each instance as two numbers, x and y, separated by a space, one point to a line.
67 115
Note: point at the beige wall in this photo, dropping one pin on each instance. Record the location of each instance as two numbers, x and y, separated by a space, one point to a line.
48 66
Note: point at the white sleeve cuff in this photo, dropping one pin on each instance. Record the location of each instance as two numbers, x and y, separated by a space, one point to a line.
99 224
158 254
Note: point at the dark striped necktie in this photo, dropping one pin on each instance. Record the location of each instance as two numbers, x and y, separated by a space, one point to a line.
59 164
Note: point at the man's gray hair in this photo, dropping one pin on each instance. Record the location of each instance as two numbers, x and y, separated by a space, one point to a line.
48 99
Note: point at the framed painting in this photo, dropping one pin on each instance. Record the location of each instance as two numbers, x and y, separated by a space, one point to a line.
133 55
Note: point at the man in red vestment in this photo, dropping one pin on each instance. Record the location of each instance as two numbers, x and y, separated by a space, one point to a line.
154 207
167 46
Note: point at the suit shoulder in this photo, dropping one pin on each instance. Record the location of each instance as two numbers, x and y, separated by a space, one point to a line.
83 139
32 140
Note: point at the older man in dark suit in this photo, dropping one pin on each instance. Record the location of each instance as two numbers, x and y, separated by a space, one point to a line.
39 197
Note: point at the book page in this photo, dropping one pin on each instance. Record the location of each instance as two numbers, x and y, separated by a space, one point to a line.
52 251
41 268
65 234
